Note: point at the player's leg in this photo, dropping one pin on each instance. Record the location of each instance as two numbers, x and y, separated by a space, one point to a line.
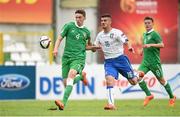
65 71
110 93
72 74
143 68
79 65
157 70
124 67
110 74
76 66
128 72
69 87
81 76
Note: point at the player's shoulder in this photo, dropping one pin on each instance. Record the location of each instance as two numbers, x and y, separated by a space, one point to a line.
115 30
86 29
100 33
155 33
70 24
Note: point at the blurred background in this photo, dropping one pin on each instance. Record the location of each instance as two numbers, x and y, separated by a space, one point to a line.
23 22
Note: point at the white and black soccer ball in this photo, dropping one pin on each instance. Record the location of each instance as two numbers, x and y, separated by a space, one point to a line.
45 42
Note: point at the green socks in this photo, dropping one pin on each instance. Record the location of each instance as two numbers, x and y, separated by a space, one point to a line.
67 93
148 93
168 89
144 87
77 79
69 89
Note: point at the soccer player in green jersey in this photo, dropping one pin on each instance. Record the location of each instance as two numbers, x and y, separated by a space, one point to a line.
73 60
152 43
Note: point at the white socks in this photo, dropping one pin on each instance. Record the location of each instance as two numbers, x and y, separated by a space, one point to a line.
110 94
70 81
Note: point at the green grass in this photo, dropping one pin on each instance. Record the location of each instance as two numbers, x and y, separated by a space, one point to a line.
88 108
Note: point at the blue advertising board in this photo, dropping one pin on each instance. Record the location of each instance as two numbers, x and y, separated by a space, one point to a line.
17 82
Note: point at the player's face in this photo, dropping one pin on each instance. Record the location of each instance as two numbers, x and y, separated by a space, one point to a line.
148 24
105 22
79 19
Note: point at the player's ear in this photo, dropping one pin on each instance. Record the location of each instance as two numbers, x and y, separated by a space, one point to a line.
110 20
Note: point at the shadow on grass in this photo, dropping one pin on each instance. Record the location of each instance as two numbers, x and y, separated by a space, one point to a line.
53 108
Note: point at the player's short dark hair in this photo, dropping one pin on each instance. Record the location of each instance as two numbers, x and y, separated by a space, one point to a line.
81 11
106 15
149 18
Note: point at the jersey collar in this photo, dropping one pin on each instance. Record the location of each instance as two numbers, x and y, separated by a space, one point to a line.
79 26
150 31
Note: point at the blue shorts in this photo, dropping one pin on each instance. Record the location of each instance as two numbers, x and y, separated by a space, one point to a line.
120 65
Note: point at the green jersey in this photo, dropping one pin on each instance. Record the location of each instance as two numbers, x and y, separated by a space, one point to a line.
76 39
152 54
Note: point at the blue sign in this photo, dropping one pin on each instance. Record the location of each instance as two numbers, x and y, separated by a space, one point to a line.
17 82
55 84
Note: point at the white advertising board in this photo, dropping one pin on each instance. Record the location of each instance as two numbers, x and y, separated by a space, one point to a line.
49 84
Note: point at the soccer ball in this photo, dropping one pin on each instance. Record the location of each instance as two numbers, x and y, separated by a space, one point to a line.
45 42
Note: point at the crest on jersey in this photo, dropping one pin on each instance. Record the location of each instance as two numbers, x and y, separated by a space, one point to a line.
85 35
149 37
111 35
72 31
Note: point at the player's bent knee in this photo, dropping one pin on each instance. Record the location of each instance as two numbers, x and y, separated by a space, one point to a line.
109 83
72 74
162 81
132 82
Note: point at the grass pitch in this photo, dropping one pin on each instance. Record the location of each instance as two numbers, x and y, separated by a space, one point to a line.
88 108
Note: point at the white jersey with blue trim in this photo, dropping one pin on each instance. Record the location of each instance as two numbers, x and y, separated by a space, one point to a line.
111 43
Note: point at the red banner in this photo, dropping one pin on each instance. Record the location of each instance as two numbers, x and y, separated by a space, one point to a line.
26 11
128 16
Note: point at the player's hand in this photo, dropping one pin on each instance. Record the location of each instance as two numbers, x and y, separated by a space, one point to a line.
94 48
55 52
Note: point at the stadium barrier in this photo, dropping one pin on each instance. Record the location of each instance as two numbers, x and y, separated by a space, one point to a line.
46 83
49 84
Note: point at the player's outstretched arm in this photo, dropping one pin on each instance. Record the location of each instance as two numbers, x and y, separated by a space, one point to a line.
57 43
130 48
159 45
92 47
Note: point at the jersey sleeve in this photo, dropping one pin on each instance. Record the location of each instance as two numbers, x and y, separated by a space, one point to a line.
157 38
122 37
88 35
64 30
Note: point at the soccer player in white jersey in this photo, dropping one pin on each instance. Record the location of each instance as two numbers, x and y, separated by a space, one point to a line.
111 41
